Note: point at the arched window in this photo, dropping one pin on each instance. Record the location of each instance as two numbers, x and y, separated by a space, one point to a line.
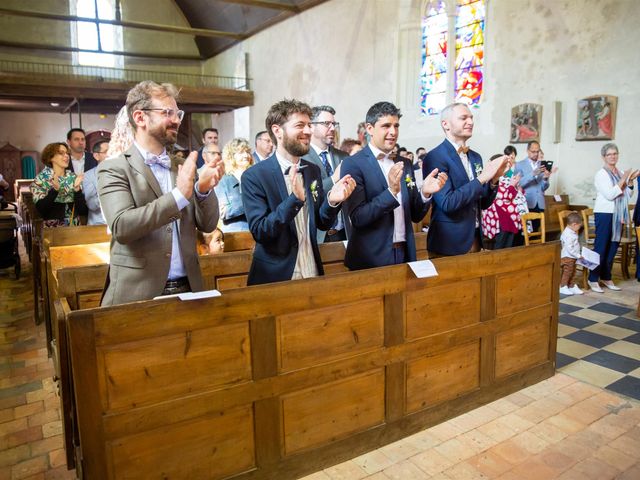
465 29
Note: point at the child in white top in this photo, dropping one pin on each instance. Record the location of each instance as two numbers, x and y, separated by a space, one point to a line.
570 253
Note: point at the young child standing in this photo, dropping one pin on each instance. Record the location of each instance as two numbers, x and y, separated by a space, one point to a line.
569 254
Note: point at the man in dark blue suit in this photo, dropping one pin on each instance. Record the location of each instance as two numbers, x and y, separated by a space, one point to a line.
386 199
455 220
263 147
285 203
80 160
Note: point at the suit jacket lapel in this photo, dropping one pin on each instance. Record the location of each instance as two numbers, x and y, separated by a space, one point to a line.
374 166
137 163
456 161
276 171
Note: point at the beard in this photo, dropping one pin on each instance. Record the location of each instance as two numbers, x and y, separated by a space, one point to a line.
163 135
294 146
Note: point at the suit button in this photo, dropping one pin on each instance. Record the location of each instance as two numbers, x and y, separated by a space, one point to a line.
169 229
168 255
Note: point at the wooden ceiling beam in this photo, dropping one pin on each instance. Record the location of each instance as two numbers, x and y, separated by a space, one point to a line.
266 4
198 32
128 53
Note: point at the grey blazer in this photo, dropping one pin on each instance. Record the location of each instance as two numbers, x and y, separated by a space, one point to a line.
141 218
337 156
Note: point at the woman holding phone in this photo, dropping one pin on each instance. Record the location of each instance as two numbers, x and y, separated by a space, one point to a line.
611 213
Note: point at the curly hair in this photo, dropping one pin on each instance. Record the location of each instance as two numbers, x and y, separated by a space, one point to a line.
236 145
280 112
51 151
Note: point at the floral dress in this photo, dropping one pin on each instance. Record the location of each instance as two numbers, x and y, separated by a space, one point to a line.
56 208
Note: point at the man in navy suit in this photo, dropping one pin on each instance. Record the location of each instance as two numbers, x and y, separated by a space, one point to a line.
455 220
81 160
263 147
285 203
386 199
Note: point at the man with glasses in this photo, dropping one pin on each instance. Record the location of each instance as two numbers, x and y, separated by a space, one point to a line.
209 137
535 178
263 147
90 185
153 203
323 153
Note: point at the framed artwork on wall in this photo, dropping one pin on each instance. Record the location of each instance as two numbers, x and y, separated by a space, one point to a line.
596 118
526 122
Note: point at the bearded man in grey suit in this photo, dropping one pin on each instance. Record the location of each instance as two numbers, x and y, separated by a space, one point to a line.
153 203
328 158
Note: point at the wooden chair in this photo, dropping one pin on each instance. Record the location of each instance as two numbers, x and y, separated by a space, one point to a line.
589 228
537 236
562 219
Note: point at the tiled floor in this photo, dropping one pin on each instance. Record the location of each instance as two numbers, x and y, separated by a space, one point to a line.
599 339
561 428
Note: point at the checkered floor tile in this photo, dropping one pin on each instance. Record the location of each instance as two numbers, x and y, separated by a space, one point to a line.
600 344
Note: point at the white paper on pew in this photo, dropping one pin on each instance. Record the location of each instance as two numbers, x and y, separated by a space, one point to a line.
198 295
557 198
344 242
590 259
191 295
423 269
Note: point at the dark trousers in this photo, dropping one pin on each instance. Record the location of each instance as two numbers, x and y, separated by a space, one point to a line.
604 246
535 224
337 236
508 240
399 253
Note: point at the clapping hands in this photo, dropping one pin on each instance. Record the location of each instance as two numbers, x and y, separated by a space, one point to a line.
434 182
341 190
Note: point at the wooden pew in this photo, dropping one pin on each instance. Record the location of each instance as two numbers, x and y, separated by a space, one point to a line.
280 380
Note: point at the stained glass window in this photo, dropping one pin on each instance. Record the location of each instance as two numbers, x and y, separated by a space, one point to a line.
433 76
469 51
469 55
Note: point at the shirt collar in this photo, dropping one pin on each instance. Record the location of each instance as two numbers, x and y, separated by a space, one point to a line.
376 151
318 150
284 163
455 145
145 154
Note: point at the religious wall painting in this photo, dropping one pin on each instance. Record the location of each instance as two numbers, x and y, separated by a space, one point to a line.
526 122
596 118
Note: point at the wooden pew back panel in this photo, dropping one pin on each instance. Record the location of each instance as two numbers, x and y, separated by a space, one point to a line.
279 380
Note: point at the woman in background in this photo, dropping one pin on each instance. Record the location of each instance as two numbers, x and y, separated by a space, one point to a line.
611 214
237 158
57 191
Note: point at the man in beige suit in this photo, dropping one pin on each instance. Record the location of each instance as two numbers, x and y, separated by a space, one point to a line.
153 204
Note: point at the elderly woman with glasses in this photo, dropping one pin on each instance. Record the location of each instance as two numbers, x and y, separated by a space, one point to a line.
236 156
611 213
57 191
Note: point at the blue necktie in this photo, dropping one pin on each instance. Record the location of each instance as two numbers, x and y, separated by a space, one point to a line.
163 160
325 162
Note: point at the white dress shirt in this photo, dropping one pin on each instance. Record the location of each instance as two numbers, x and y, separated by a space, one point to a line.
399 230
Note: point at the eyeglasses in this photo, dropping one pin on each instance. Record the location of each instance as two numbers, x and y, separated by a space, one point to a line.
167 112
613 154
327 125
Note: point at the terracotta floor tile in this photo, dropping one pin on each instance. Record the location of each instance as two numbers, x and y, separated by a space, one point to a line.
499 430
478 440
548 432
445 431
423 440
317 476
595 469
456 450
511 452
628 445
400 450
631 474
464 471
373 462
530 442
555 459
520 398
29 467
345 471
615 457
563 422
490 463
534 469
431 462
405 470
503 406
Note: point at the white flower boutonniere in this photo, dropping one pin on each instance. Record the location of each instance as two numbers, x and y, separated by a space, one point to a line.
410 183
314 190
478 169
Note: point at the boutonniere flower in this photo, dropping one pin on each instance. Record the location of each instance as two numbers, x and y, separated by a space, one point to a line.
410 183
314 190
478 169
